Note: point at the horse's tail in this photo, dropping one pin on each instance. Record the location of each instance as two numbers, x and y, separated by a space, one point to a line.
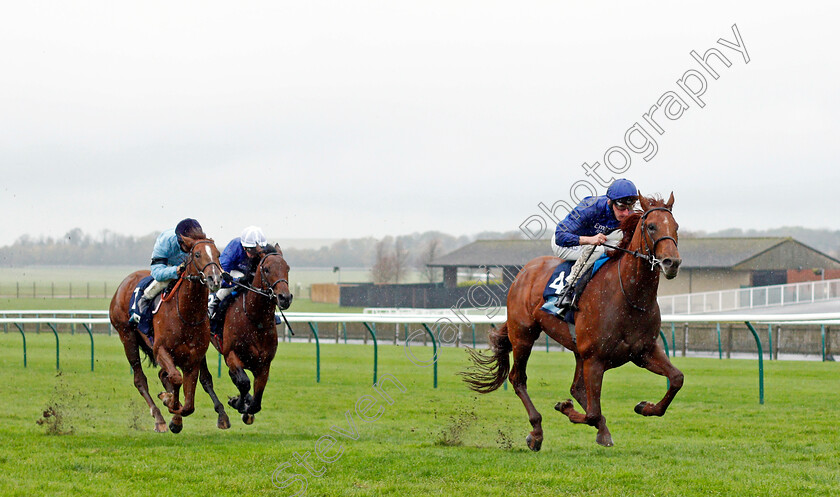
147 351
489 372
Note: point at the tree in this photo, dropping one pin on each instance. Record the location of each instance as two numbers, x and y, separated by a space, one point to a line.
384 264
401 257
429 253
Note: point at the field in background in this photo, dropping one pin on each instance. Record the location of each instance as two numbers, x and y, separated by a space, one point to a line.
715 439
81 287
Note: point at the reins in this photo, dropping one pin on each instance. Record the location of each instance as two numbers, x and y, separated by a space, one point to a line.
269 294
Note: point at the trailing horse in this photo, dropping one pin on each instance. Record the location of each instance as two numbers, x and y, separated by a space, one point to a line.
181 334
249 336
618 322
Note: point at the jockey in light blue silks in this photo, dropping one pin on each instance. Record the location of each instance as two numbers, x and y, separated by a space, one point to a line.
168 260
580 234
239 258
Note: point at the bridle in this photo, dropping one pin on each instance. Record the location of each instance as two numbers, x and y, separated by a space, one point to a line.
200 277
269 294
649 251
649 254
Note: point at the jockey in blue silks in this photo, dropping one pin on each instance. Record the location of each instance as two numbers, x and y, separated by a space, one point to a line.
239 258
169 257
580 234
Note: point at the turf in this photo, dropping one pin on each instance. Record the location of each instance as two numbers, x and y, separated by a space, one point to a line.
715 440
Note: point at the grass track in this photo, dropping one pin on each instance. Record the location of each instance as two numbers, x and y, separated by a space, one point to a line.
715 440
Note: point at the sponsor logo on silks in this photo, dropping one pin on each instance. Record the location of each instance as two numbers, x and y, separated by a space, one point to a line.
600 228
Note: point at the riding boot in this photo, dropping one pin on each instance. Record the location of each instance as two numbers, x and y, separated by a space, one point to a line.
550 306
211 307
141 305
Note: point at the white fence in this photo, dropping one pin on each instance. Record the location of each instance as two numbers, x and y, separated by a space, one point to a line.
750 298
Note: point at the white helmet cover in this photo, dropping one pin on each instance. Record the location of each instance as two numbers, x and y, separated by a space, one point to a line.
252 236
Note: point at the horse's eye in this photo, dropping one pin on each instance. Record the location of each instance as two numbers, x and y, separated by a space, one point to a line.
651 228
197 253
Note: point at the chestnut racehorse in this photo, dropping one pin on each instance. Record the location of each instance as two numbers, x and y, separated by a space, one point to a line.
618 322
181 334
249 337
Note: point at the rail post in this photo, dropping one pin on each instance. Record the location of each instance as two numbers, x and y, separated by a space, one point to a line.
769 342
662 334
55 332
314 328
473 333
23 335
372 331
760 363
673 340
434 354
822 333
90 334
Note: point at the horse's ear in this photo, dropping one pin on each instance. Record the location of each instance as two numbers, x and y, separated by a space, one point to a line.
188 242
643 202
670 202
277 246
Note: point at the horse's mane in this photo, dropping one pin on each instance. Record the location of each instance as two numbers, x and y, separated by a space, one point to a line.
631 222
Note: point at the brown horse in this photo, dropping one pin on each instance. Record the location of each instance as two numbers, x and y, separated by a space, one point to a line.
618 322
249 337
182 334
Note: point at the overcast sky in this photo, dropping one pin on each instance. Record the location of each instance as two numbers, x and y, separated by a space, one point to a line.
349 119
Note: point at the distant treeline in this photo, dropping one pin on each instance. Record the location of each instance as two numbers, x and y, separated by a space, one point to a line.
108 248
414 250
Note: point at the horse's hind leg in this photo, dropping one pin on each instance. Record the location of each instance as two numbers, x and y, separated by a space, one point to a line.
519 379
133 354
206 380
659 363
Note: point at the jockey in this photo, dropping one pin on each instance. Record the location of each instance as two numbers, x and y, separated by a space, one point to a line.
580 234
239 258
168 260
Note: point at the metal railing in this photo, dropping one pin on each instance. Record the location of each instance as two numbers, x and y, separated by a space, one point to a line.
750 298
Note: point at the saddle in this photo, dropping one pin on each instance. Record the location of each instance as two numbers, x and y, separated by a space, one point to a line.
558 280
145 325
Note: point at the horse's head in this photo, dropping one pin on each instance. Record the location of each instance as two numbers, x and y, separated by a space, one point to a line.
203 263
273 276
659 234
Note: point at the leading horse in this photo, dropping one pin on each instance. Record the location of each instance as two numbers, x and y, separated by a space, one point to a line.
181 334
249 336
618 322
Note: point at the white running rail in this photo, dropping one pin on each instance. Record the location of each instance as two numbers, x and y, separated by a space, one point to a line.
750 298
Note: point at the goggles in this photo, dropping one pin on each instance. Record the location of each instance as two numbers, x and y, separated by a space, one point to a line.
624 204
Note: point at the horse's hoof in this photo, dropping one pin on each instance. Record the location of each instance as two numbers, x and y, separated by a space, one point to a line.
175 428
248 419
640 407
160 427
232 401
223 424
533 443
166 397
562 406
604 441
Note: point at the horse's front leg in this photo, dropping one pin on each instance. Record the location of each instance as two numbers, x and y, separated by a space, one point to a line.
242 383
593 377
657 361
260 380
190 382
206 380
